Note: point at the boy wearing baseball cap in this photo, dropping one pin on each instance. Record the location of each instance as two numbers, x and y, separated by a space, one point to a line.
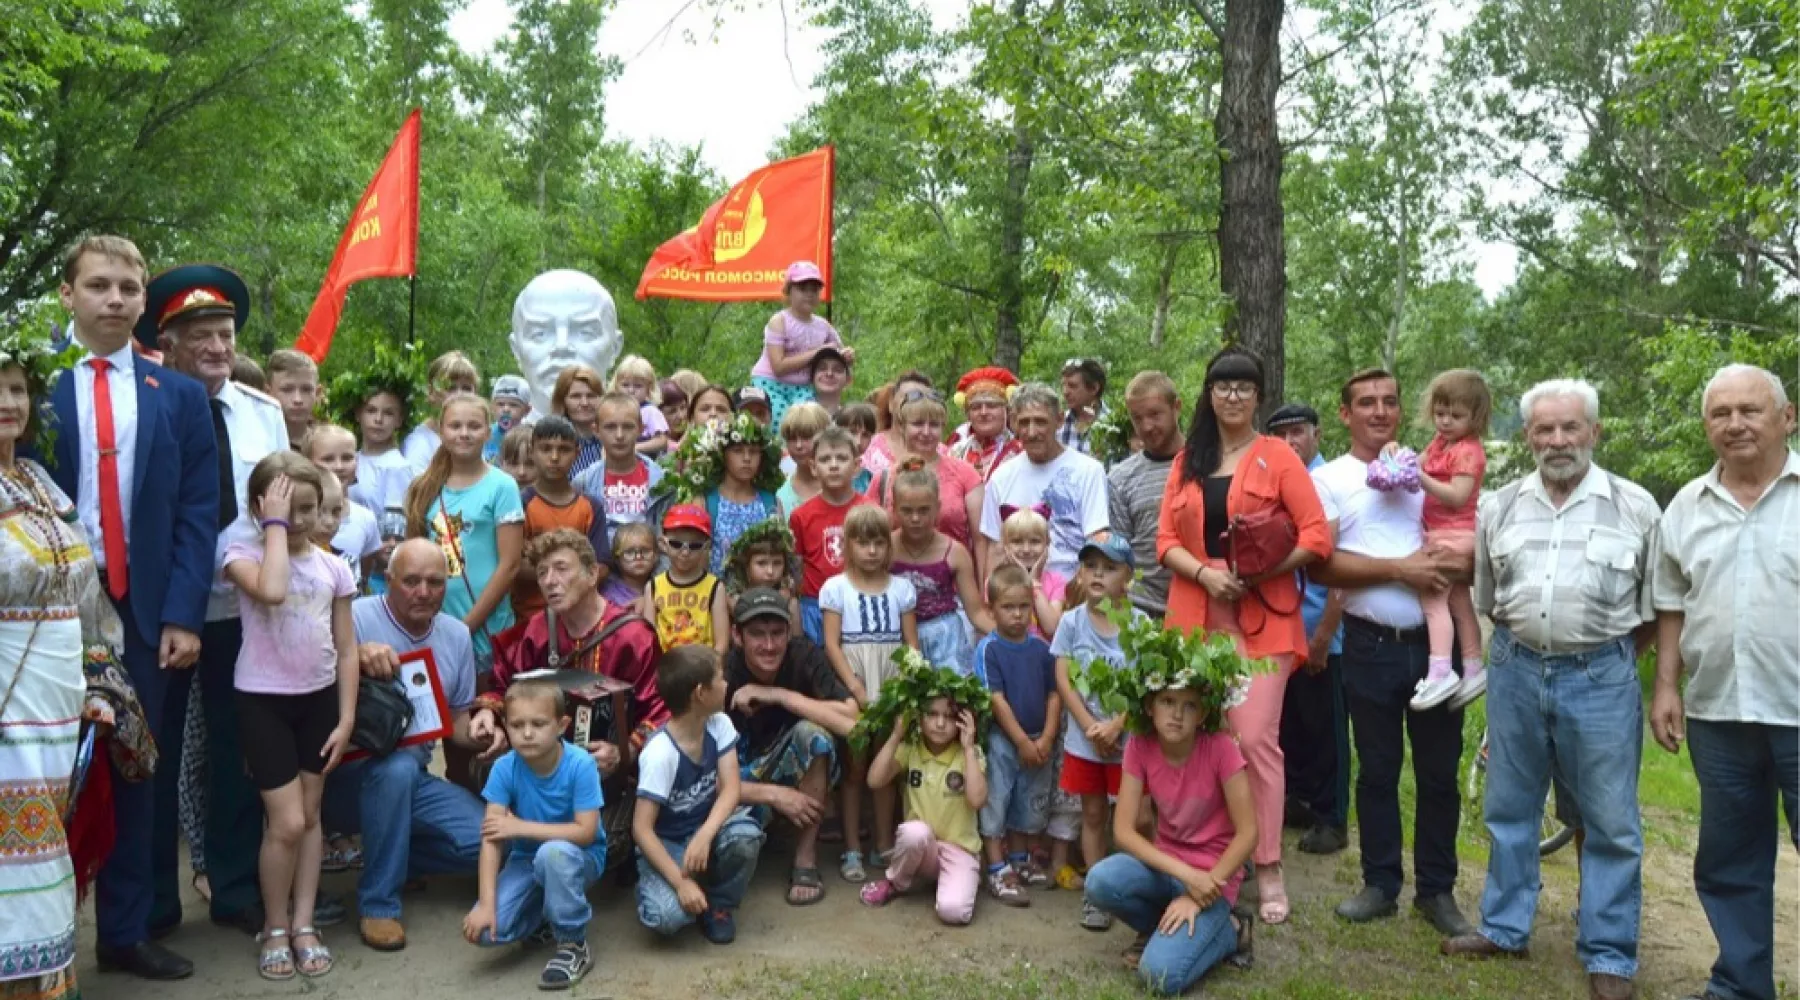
687 602
1093 738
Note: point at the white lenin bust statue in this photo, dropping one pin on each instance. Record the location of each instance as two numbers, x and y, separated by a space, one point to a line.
562 318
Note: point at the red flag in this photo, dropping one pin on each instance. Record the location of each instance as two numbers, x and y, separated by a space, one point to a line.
745 241
381 240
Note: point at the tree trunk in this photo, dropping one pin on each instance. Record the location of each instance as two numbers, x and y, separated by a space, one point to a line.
1009 341
1165 279
1252 253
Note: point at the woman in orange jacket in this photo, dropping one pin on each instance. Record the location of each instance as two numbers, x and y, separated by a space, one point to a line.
1228 470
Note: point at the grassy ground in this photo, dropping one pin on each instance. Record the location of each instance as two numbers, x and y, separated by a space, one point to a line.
1318 957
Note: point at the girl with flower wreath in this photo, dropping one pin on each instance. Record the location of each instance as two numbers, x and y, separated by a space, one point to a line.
763 556
733 468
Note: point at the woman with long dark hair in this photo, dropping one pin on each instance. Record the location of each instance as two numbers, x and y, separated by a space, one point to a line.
1229 471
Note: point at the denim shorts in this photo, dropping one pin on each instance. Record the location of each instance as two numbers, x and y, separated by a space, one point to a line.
812 620
1018 797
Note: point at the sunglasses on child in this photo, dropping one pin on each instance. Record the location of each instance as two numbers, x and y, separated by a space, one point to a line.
681 546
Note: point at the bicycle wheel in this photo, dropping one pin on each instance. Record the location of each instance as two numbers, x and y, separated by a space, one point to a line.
1554 834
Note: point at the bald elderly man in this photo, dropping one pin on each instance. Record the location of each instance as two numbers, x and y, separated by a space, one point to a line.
413 823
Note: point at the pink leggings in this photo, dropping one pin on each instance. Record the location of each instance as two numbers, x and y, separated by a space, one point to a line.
1450 614
919 854
1257 725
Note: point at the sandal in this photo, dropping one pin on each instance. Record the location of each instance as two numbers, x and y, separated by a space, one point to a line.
879 892
1135 951
851 868
1271 894
1244 922
315 961
1067 878
276 963
804 878
341 859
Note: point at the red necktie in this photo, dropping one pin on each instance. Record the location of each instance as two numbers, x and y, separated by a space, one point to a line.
112 518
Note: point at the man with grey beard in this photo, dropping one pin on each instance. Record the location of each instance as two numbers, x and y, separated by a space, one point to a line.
1562 561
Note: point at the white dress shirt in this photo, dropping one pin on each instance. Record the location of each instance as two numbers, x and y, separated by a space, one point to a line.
257 430
121 379
1735 575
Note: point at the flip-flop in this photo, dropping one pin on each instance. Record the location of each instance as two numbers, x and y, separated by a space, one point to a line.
805 878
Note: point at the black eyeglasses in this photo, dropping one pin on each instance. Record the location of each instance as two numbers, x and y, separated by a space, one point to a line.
681 546
1234 390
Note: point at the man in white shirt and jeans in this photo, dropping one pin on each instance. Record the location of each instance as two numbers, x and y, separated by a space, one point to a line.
1727 581
1380 564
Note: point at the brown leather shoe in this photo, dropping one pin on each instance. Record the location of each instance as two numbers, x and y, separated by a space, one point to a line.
1602 986
383 934
1477 946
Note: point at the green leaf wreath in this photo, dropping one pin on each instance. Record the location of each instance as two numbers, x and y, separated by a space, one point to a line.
772 529
1109 439
697 466
43 364
1159 659
914 688
399 370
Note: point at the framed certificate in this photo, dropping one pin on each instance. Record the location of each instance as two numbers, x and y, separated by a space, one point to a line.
418 677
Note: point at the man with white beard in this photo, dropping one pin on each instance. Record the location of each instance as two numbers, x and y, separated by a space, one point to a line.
1562 568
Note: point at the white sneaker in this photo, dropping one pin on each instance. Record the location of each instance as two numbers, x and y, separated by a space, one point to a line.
1432 693
1471 687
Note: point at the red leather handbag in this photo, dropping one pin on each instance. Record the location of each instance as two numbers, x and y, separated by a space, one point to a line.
1258 542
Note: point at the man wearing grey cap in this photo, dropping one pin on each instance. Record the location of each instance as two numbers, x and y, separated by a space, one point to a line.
789 708
1315 728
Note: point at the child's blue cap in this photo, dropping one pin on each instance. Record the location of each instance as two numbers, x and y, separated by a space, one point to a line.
1114 547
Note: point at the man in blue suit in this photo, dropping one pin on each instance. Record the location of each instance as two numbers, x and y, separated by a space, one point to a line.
134 447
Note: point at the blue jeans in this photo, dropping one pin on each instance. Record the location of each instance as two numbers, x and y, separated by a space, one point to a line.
945 643
413 824
548 887
1582 715
727 875
1018 797
812 620
1137 894
1743 767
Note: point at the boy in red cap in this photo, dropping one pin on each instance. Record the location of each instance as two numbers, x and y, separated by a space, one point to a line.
687 601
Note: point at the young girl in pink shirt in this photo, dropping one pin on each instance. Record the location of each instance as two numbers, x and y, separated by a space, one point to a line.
1450 473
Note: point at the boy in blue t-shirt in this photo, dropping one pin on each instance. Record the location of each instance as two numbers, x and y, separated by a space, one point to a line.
541 841
1018 668
696 849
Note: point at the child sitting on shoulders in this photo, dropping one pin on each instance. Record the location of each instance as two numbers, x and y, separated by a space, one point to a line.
763 556
940 570
1021 748
1177 892
868 615
687 603
634 554
696 849
946 786
1093 739
541 843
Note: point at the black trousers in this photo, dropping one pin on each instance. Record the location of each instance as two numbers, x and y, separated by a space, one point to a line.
1315 741
1381 668
234 817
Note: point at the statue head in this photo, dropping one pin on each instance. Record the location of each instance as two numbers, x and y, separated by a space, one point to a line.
562 318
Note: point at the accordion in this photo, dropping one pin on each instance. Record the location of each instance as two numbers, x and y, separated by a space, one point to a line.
599 706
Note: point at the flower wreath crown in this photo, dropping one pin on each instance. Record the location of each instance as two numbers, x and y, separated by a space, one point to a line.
916 686
772 529
1109 439
401 372
43 363
1159 659
698 466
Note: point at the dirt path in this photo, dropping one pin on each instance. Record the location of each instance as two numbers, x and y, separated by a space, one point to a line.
1676 952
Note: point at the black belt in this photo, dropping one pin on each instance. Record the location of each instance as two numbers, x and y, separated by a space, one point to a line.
1386 633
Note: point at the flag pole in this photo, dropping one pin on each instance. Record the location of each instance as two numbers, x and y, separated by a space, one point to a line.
412 305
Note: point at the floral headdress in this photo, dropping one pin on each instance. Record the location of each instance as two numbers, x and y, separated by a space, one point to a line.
697 466
1158 659
1109 439
917 685
43 362
774 530
400 371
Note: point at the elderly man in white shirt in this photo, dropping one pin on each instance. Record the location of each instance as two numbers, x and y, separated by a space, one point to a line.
1561 568
1727 583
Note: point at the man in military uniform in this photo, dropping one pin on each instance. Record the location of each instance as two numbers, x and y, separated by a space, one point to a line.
193 314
